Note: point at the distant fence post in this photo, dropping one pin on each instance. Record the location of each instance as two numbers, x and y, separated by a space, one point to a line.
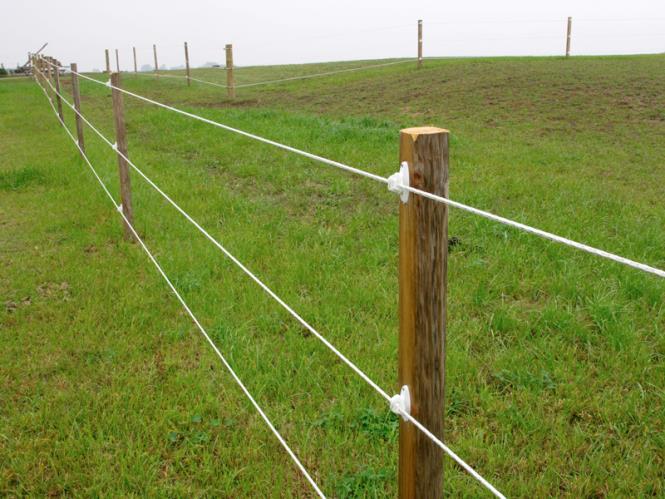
420 43
76 94
58 100
568 34
121 144
108 62
154 53
423 255
189 82
117 61
230 82
135 66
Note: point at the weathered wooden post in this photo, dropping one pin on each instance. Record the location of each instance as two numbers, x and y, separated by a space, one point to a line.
423 254
189 82
58 99
121 145
108 62
230 82
568 34
420 43
135 66
117 61
76 94
154 53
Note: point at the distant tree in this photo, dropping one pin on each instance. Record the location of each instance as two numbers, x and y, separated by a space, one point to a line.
3 71
211 65
146 67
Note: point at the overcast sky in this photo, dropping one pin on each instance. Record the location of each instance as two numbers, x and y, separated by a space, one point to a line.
295 31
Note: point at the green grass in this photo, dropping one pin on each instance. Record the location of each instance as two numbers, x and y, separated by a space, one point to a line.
556 359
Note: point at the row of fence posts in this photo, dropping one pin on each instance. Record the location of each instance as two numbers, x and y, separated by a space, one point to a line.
423 263
423 254
423 249
230 82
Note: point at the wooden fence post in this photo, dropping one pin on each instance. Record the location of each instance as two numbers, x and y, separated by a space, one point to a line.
77 105
58 100
568 33
154 52
230 83
420 43
187 64
108 62
135 67
117 61
423 254
123 167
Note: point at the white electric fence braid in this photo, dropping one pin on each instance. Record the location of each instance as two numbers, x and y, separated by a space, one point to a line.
284 305
292 78
378 178
188 310
327 73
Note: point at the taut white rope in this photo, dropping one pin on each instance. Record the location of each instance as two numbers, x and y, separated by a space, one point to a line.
291 311
303 77
378 178
327 73
191 314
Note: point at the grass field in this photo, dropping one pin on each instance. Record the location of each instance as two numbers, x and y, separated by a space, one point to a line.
556 359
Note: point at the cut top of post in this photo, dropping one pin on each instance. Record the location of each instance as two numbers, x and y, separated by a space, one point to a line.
423 130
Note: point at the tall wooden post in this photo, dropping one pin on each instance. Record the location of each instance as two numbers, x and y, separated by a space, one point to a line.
135 66
123 167
230 82
154 53
568 34
76 94
117 61
420 43
423 255
187 64
108 62
58 99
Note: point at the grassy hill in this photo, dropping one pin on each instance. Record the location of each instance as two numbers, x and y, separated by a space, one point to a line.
556 359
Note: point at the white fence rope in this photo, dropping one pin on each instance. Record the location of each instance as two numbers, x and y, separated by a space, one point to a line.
290 310
541 233
292 78
327 73
189 311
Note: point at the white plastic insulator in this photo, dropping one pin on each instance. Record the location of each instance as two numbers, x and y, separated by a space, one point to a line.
114 146
401 404
109 84
120 207
397 182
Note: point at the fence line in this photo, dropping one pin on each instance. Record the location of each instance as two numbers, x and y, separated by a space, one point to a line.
289 309
485 214
280 80
237 379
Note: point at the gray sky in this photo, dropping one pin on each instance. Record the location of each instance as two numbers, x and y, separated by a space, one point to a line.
295 31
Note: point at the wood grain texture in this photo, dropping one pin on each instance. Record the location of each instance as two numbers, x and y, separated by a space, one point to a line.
58 100
154 53
568 35
423 256
230 82
123 167
76 94
420 43
135 66
189 81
